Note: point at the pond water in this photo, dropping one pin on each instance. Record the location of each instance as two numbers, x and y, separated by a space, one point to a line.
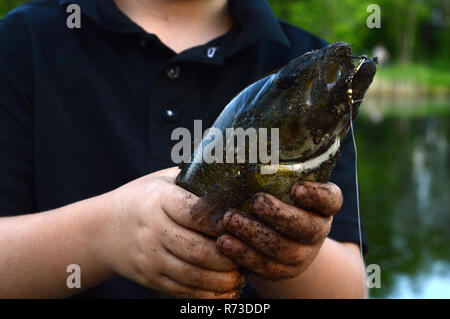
404 184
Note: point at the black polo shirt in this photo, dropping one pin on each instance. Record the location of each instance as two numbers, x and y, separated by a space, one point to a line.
83 111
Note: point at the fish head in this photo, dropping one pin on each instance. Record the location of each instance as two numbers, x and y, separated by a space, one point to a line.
316 97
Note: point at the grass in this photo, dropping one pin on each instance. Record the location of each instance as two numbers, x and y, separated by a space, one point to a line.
429 75
413 81
412 90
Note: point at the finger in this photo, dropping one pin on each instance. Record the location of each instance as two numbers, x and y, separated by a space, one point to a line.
304 226
266 239
195 248
175 289
178 205
196 277
325 199
261 265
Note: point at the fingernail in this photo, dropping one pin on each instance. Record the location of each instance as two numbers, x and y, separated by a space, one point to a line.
259 203
299 190
235 294
225 243
233 220
227 217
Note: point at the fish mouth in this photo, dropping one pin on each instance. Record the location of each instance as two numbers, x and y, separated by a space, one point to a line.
304 166
324 148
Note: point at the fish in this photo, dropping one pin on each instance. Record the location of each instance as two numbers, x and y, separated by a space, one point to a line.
311 101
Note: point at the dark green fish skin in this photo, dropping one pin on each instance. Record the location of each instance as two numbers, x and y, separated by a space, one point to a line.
310 101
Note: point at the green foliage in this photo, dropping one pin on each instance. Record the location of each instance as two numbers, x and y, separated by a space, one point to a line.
405 217
418 73
333 20
7 5
410 29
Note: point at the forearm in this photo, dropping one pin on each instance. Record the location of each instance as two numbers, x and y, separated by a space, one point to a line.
36 249
337 272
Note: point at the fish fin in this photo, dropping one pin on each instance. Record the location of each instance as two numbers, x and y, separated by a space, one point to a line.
229 193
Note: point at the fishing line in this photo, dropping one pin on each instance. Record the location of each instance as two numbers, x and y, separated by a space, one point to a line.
351 102
357 193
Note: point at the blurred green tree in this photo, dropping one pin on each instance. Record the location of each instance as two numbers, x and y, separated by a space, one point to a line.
410 29
7 5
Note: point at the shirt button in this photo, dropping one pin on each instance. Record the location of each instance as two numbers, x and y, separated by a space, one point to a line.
143 42
170 114
173 72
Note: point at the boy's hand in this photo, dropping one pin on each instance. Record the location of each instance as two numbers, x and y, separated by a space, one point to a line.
148 238
289 239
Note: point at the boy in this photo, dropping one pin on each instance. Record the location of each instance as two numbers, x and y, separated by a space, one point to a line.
85 112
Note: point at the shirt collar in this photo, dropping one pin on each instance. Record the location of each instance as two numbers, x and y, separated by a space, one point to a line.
254 21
